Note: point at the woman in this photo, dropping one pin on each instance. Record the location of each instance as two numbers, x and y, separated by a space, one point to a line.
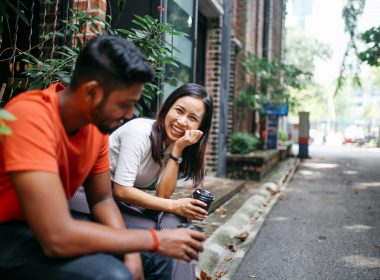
149 153
145 153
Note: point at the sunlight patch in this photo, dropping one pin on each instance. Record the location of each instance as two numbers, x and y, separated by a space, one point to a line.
368 185
350 172
358 228
320 165
359 261
306 172
279 219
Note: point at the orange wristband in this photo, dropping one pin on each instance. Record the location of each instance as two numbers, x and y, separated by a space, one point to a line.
155 240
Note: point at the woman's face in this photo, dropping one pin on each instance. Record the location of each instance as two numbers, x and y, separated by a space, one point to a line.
185 114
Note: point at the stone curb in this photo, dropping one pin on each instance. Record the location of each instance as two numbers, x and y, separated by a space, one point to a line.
226 247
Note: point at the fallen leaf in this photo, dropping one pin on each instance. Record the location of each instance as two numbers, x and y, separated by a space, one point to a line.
227 258
203 275
252 276
377 245
232 248
282 195
243 236
221 210
219 274
265 204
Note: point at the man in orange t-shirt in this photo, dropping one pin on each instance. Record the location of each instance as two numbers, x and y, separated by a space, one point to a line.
60 142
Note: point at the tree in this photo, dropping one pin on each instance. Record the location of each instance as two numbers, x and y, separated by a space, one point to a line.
371 55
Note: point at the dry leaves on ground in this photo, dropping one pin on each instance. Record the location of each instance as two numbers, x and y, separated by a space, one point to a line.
219 274
232 248
242 236
204 276
228 258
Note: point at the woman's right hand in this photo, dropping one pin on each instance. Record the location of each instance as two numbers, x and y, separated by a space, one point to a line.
190 208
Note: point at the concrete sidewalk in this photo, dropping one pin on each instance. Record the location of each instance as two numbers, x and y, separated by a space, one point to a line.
232 228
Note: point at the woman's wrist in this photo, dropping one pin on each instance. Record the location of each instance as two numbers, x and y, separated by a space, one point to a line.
177 151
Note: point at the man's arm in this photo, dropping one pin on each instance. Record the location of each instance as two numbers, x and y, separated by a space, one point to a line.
105 211
46 210
100 200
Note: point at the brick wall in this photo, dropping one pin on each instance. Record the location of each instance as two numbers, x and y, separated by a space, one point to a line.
51 15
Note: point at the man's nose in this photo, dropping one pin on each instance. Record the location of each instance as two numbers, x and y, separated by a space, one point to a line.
129 113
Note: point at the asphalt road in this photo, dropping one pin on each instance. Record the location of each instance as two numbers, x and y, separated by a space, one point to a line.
328 224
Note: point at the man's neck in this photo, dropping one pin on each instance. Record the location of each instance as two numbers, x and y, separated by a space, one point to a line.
69 110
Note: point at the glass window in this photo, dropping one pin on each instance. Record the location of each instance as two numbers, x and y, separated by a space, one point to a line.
180 13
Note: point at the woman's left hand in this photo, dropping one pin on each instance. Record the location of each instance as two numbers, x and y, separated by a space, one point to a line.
191 137
190 208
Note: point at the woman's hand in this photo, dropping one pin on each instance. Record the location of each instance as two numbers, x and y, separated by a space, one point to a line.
190 208
191 137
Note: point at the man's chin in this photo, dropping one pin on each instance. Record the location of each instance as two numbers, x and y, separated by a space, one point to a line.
105 129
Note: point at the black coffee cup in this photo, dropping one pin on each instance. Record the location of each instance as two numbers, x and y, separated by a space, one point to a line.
190 226
205 196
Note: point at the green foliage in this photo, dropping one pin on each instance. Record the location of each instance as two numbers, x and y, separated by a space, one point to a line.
243 143
283 136
372 38
351 12
7 8
274 80
5 116
149 37
302 51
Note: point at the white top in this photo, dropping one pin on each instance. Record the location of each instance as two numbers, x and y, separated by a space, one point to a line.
131 159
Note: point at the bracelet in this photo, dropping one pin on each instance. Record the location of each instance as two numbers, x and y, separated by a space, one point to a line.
155 240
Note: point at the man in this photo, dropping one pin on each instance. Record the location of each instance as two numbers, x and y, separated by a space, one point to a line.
59 142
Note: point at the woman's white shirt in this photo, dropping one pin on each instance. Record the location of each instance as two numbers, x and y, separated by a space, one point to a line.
131 157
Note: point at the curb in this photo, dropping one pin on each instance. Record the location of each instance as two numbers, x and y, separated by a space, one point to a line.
226 247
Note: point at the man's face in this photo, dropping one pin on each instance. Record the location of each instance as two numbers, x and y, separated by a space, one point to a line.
118 105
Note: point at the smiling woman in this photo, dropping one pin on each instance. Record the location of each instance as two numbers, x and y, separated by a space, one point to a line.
148 153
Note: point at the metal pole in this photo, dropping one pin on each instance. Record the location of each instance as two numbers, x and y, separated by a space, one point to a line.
225 84
303 137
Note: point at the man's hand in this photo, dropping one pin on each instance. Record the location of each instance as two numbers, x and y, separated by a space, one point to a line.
189 208
133 262
183 244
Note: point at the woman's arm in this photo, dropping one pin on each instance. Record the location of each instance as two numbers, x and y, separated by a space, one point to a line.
168 181
187 207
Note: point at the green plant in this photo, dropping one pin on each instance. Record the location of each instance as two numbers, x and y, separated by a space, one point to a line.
273 80
149 37
5 116
283 136
243 143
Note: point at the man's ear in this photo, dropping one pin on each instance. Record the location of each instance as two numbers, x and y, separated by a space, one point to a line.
94 93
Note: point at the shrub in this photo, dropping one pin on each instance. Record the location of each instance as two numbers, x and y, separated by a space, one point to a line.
243 143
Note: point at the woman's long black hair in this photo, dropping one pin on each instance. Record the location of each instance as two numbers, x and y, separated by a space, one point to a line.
193 155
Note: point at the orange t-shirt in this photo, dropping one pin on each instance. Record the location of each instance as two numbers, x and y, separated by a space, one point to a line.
39 143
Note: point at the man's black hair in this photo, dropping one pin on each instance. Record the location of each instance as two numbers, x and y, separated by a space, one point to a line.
112 61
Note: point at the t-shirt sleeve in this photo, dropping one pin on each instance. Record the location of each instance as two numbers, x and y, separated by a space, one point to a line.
32 145
102 163
134 143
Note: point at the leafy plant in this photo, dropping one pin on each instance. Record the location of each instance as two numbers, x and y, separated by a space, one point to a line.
283 136
273 79
7 9
372 38
243 143
149 37
5 116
